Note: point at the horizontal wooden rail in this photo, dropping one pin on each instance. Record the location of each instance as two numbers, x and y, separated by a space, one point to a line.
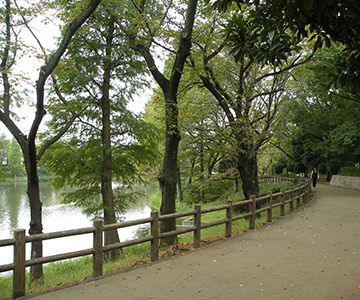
253 206
242 216
242 203
176 232
53 258
212 209
58 234
177 215
7 242
127 243
126 224
215 223
8 267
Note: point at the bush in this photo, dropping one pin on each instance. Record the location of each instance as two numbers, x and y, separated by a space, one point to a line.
322 168
350 171
212 191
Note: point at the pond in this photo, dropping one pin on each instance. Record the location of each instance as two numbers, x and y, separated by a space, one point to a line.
15 213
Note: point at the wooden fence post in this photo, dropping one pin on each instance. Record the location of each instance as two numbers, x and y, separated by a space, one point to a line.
19 261
228 227
282 207
298 202
98 260
253 208
155 235
292 199
307 192
197 224
270 203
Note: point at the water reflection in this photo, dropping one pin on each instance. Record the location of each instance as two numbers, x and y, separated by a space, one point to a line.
15 213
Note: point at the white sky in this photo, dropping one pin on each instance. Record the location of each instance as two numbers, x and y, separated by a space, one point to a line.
29 66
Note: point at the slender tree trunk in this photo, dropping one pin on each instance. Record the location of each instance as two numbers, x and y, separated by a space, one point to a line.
236 185
202 179
33 191
111 237
168 180
168 176
191 171
179 186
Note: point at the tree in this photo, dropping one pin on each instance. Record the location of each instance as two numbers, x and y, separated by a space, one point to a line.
143 35
248 84
325 117
15 159
4 149
96 80
10 35
325 21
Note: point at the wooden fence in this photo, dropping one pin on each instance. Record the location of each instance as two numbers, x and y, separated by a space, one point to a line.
270 201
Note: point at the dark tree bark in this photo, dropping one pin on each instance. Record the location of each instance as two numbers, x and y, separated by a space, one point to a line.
28 144
168 176
111 237
179 186
248 170
202 178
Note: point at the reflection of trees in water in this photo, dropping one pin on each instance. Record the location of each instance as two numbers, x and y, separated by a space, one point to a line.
142 231
14 207
14 196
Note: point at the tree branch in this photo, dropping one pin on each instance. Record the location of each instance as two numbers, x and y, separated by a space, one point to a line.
52 62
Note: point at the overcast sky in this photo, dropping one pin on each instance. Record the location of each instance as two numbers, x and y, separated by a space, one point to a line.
29 66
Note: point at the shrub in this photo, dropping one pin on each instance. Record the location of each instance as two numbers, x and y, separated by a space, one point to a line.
350 171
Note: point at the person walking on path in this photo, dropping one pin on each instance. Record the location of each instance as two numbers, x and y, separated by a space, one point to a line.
314 176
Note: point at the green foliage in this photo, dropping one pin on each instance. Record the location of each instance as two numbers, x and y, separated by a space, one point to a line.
15 159
350 171
324 21
213 190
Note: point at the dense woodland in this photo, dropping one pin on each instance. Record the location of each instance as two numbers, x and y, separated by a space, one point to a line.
239 89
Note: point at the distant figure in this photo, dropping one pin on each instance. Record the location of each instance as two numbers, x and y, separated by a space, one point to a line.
315 176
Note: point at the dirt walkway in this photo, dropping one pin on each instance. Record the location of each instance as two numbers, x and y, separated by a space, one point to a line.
314 254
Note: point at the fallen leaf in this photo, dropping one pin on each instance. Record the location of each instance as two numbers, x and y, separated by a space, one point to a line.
285 259
183 286
198 291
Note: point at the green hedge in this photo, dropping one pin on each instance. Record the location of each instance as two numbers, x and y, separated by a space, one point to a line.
350 171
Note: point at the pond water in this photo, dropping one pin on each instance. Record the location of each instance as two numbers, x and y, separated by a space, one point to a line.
15 213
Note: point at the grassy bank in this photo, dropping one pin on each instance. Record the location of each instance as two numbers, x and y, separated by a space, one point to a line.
72 271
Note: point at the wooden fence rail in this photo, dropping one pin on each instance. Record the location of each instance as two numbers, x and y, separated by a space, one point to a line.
269 202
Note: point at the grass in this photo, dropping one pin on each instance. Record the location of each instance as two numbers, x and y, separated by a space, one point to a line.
72 271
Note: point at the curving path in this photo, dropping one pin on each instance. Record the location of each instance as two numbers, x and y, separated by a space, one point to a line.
313 254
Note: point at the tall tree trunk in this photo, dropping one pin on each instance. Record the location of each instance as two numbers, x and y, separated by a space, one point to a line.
192 166
236 185
247 167
111 237
168 176
168 180
179 186
202 178
33 191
